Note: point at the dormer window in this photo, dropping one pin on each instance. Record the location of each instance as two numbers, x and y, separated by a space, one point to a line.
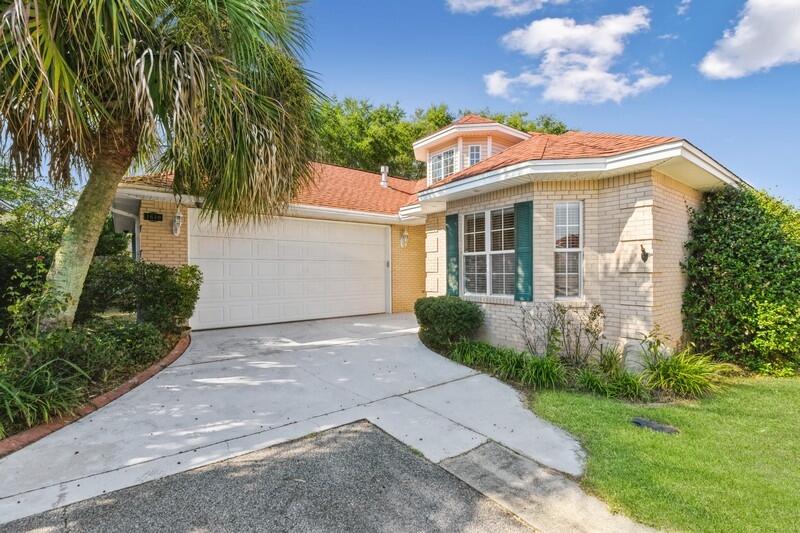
443 164
474 154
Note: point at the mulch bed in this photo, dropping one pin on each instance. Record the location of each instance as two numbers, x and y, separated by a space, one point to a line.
20 440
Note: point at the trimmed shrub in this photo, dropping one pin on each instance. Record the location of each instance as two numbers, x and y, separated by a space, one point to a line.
166 296
161 295
444 320
743 294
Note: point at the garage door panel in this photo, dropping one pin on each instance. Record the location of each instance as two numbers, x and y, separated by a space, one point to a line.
287 269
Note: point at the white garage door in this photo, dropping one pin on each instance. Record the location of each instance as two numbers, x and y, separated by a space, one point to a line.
288 269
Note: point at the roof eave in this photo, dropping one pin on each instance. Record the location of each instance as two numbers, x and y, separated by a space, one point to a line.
587 168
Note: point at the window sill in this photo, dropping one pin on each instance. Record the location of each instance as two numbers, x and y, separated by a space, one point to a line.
487 299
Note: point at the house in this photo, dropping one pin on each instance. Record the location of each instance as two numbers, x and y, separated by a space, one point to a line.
505 218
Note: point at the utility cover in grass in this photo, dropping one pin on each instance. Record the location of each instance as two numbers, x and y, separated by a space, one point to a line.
655 426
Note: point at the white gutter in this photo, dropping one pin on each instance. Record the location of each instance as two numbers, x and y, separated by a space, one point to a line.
595 165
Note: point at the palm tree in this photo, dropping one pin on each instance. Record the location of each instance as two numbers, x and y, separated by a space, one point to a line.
212 90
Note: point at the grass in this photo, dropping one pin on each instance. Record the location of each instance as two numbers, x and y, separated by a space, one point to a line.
733 467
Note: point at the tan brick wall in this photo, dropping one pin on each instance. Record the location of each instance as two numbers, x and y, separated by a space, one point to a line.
408 268
435 256
672 201
156 240
618 220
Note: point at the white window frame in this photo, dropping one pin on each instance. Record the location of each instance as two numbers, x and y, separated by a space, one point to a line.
579 249
439 159
469 154
488 252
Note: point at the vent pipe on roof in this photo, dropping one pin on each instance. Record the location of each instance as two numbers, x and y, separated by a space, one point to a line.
385 177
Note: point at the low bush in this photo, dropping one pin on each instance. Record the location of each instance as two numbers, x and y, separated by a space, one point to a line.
529 370
683 374
161 295
608 376
445 320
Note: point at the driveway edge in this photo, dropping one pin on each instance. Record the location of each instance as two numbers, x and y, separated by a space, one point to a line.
16 442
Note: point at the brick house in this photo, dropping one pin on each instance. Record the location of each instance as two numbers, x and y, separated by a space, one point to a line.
505 218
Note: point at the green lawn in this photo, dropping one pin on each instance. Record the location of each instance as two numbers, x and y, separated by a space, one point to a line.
735 466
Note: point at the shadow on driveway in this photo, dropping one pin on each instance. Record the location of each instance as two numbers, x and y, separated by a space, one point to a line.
352 478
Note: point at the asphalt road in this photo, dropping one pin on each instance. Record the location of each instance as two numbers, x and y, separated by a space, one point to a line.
353 478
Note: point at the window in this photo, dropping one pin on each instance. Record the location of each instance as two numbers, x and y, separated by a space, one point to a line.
474 154
568 249
489 261
442 165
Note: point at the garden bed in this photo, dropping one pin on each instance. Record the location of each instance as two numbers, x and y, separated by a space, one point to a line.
23 438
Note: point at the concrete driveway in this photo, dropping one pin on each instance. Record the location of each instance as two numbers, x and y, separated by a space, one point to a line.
240 390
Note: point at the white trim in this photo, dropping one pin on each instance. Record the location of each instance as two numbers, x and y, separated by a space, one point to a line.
487 252
469 129
460 159
389 280
580 249
595 165
469 154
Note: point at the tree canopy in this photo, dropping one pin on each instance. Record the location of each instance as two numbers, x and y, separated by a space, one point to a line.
358 134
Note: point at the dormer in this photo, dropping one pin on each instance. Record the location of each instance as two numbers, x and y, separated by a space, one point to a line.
465 142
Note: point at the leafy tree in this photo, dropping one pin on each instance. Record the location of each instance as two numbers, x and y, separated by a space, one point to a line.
358 134
213 91
743 293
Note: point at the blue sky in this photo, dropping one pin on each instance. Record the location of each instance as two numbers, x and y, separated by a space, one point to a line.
724 74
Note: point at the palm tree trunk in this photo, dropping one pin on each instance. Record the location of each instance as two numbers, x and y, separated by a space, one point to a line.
74 256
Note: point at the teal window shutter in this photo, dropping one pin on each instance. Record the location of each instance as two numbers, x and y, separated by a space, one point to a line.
523 246
451 235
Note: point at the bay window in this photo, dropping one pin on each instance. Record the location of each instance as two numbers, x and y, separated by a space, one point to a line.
568 249
489 262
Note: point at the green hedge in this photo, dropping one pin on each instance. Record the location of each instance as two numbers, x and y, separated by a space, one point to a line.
444 320
161 295
743 295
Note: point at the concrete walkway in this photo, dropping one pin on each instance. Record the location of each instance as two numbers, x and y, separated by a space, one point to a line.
240 390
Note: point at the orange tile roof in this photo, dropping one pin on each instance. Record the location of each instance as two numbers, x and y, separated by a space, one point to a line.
473 119
570 145
334 186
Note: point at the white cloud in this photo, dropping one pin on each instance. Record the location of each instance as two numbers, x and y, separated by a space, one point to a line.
504 8
668 36
767 35
683 7
576 59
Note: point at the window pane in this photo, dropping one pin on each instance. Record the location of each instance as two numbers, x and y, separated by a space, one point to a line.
560 263
503 266
561 215
508 239
474 154
502 221
475 274
561 285
469 223
574 237
574 213
573 285
561 237
480 242
469 242
480 222
573 262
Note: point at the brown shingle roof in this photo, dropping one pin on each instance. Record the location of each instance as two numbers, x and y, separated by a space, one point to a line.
570 145
334 186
